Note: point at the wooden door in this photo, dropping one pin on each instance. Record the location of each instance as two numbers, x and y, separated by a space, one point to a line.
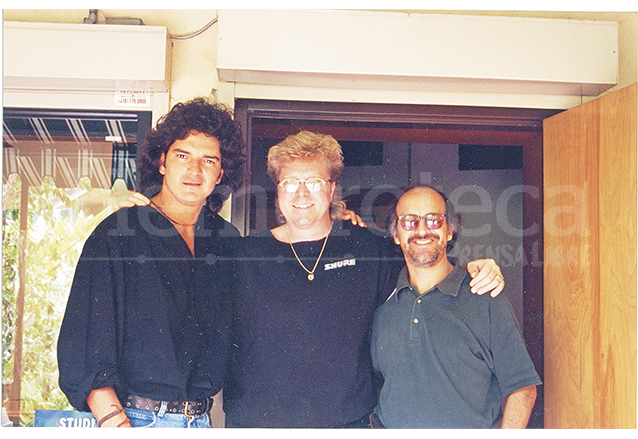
589 161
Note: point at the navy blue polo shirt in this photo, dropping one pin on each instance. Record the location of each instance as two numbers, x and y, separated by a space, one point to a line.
447 355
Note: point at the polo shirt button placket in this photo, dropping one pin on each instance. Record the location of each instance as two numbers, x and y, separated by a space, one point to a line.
414 330
415 320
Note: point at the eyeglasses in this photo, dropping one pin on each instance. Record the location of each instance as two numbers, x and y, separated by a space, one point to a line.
433 221
291 185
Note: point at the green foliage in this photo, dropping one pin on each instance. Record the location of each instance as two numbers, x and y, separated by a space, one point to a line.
10 236
56 232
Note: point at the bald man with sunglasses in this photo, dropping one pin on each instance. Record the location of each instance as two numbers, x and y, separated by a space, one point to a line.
446 356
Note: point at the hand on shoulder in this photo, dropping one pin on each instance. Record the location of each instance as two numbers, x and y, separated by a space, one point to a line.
137 199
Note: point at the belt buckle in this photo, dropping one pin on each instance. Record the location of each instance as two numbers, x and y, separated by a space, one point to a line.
186 411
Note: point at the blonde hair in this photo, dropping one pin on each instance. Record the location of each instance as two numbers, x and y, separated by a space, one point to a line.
310 146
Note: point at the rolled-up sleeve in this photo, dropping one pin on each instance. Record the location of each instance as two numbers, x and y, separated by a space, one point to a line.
87 344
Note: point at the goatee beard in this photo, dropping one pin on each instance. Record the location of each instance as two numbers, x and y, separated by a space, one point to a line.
427 256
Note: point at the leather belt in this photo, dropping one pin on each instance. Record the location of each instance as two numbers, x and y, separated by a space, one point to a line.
188 408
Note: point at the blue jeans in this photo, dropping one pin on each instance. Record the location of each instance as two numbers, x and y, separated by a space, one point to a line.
146 419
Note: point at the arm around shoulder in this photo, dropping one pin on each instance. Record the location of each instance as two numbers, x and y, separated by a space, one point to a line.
486 277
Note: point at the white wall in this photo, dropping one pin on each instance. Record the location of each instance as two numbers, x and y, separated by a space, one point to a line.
399 57
194 59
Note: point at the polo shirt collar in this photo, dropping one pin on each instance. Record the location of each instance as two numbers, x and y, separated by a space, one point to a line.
449 286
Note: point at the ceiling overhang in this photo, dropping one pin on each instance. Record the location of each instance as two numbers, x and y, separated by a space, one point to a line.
417 52
85 57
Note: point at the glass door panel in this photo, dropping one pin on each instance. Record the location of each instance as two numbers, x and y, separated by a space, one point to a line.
62 173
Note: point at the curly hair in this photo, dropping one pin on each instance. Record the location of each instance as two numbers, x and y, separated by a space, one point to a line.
314 146
198 115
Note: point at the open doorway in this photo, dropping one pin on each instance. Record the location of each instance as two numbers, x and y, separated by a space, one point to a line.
487 160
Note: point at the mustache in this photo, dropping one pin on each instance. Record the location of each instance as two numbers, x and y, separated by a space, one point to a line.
424 236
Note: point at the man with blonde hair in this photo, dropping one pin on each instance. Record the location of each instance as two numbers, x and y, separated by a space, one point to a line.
307 292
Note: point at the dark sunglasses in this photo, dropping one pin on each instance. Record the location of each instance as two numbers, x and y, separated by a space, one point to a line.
433 221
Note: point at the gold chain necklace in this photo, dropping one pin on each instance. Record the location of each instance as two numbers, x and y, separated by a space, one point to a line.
311 274
159 209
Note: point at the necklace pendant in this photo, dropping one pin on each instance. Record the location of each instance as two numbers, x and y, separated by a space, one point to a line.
311 274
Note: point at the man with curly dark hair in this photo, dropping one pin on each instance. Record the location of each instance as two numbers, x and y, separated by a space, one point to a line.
145 336
201 116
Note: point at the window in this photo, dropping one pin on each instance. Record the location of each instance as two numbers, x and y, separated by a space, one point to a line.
63 172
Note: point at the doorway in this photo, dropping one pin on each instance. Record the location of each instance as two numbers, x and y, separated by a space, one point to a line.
387 146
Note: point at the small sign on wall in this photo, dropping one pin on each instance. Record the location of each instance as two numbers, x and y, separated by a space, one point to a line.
131 98
131 93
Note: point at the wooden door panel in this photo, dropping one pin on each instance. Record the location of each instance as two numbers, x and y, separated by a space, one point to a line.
617 231
590 264
570 197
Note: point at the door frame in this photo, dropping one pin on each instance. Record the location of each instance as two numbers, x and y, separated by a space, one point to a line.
425 124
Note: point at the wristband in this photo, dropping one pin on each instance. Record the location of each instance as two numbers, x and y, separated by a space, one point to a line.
126 421
110 415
